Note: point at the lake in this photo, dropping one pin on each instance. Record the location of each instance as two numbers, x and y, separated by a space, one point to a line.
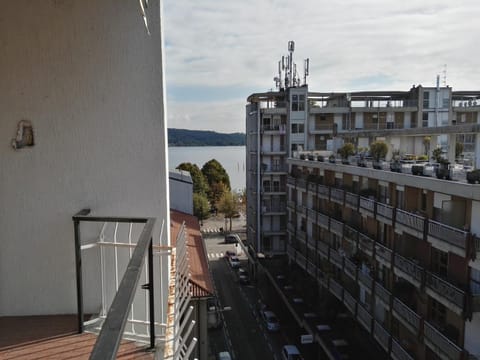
232 159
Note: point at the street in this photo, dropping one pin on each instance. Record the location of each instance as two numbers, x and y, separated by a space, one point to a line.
243 333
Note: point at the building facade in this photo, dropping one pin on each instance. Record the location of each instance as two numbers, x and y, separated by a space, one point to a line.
399 251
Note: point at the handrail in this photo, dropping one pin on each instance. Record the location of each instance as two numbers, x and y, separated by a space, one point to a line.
108 341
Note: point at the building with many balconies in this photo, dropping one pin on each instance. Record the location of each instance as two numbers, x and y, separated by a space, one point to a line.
398 251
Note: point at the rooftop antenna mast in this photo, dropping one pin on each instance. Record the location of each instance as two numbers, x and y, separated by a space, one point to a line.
305 70
291 49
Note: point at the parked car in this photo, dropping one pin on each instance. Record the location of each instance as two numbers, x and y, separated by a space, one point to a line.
230 253
473 177
234 262
271 320
214 320
224 355
291 352
232 238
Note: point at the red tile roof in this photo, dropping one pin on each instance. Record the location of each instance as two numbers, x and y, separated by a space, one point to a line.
201 280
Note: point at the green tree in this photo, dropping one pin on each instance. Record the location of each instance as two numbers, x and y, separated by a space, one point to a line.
228 206
200 185
201 207
217 179
378 150
346 150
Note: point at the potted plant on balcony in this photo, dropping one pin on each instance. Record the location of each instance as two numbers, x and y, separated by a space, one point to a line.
443 170
348 149
378 151
395 164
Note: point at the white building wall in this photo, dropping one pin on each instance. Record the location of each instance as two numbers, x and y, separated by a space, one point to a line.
181 191
89 78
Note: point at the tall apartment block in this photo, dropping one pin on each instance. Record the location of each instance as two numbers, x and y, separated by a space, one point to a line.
400 252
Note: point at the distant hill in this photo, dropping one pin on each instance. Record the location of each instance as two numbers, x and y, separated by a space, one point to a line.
182 137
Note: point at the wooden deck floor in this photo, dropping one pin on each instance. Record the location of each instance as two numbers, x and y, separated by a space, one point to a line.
53 337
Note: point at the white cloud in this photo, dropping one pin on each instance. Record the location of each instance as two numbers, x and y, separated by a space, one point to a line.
238 44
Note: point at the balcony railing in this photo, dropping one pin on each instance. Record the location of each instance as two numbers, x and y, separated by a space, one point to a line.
447 233
312 187
365 279
301 209
301 261
291 228
350 302
301 183
364 318
440 343
365 243
399 353
410 220
381 335
383 294
351 200
336 289
337 195
301 235
336 258
311 242
291 251
384 211
407 316
409 268
384 253
350 234
290 180
367 204
322 249
350 269
311 269
323 191
336 227
323 220
445 289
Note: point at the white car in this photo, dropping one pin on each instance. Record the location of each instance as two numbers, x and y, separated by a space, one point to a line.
291 352
271 320
234 262
224 355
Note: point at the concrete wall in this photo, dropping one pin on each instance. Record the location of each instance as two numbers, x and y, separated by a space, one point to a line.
181 191
89 79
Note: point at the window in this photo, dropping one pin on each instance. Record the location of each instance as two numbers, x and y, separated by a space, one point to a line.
426 99
440 262
437 312
267 243
298 128
276 186
298 102
266 185
423 204
425 119
446 102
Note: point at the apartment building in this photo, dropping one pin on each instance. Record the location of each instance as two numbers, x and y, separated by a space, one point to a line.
84 184
399 251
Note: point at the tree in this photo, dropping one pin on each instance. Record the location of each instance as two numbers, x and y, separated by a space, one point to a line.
348 149
200 185
217 179
228 206
378 150
201 207
458 149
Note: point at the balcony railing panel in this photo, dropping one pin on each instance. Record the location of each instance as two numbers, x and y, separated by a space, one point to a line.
383 294
336 289
349 302
409 268
351 200
445 289
301 183
312 215
350 234
364 318
385 211
367 204
301 209
312 187
337 195
323 191
290 180
323 220
336 227
384 253
291 251
410 220
301 235
437 341
350 269
365 279
365 243
409 317
291 228
311 242
291 205
399 353
381 335
336 258
311 269
322 249
447 233
301 261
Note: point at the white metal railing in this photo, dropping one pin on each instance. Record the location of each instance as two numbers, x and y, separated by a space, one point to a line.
351 200
447 233
367 204
436 340
381 335
336 227
385 210
407 315
445 289
399 353
410 220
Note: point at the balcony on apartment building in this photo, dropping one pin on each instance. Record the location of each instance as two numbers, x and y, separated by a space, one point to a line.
274 169
275 129
274 149
119 290
419 327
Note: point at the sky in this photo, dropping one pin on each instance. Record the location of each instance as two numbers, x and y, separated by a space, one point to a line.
218 52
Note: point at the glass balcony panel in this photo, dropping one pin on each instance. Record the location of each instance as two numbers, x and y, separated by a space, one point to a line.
351 200
336 227
439 342
337 195
349 302
336 289
383 294
350 268
367 204
364 318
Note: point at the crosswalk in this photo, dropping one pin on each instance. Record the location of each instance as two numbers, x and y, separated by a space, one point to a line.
213 256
